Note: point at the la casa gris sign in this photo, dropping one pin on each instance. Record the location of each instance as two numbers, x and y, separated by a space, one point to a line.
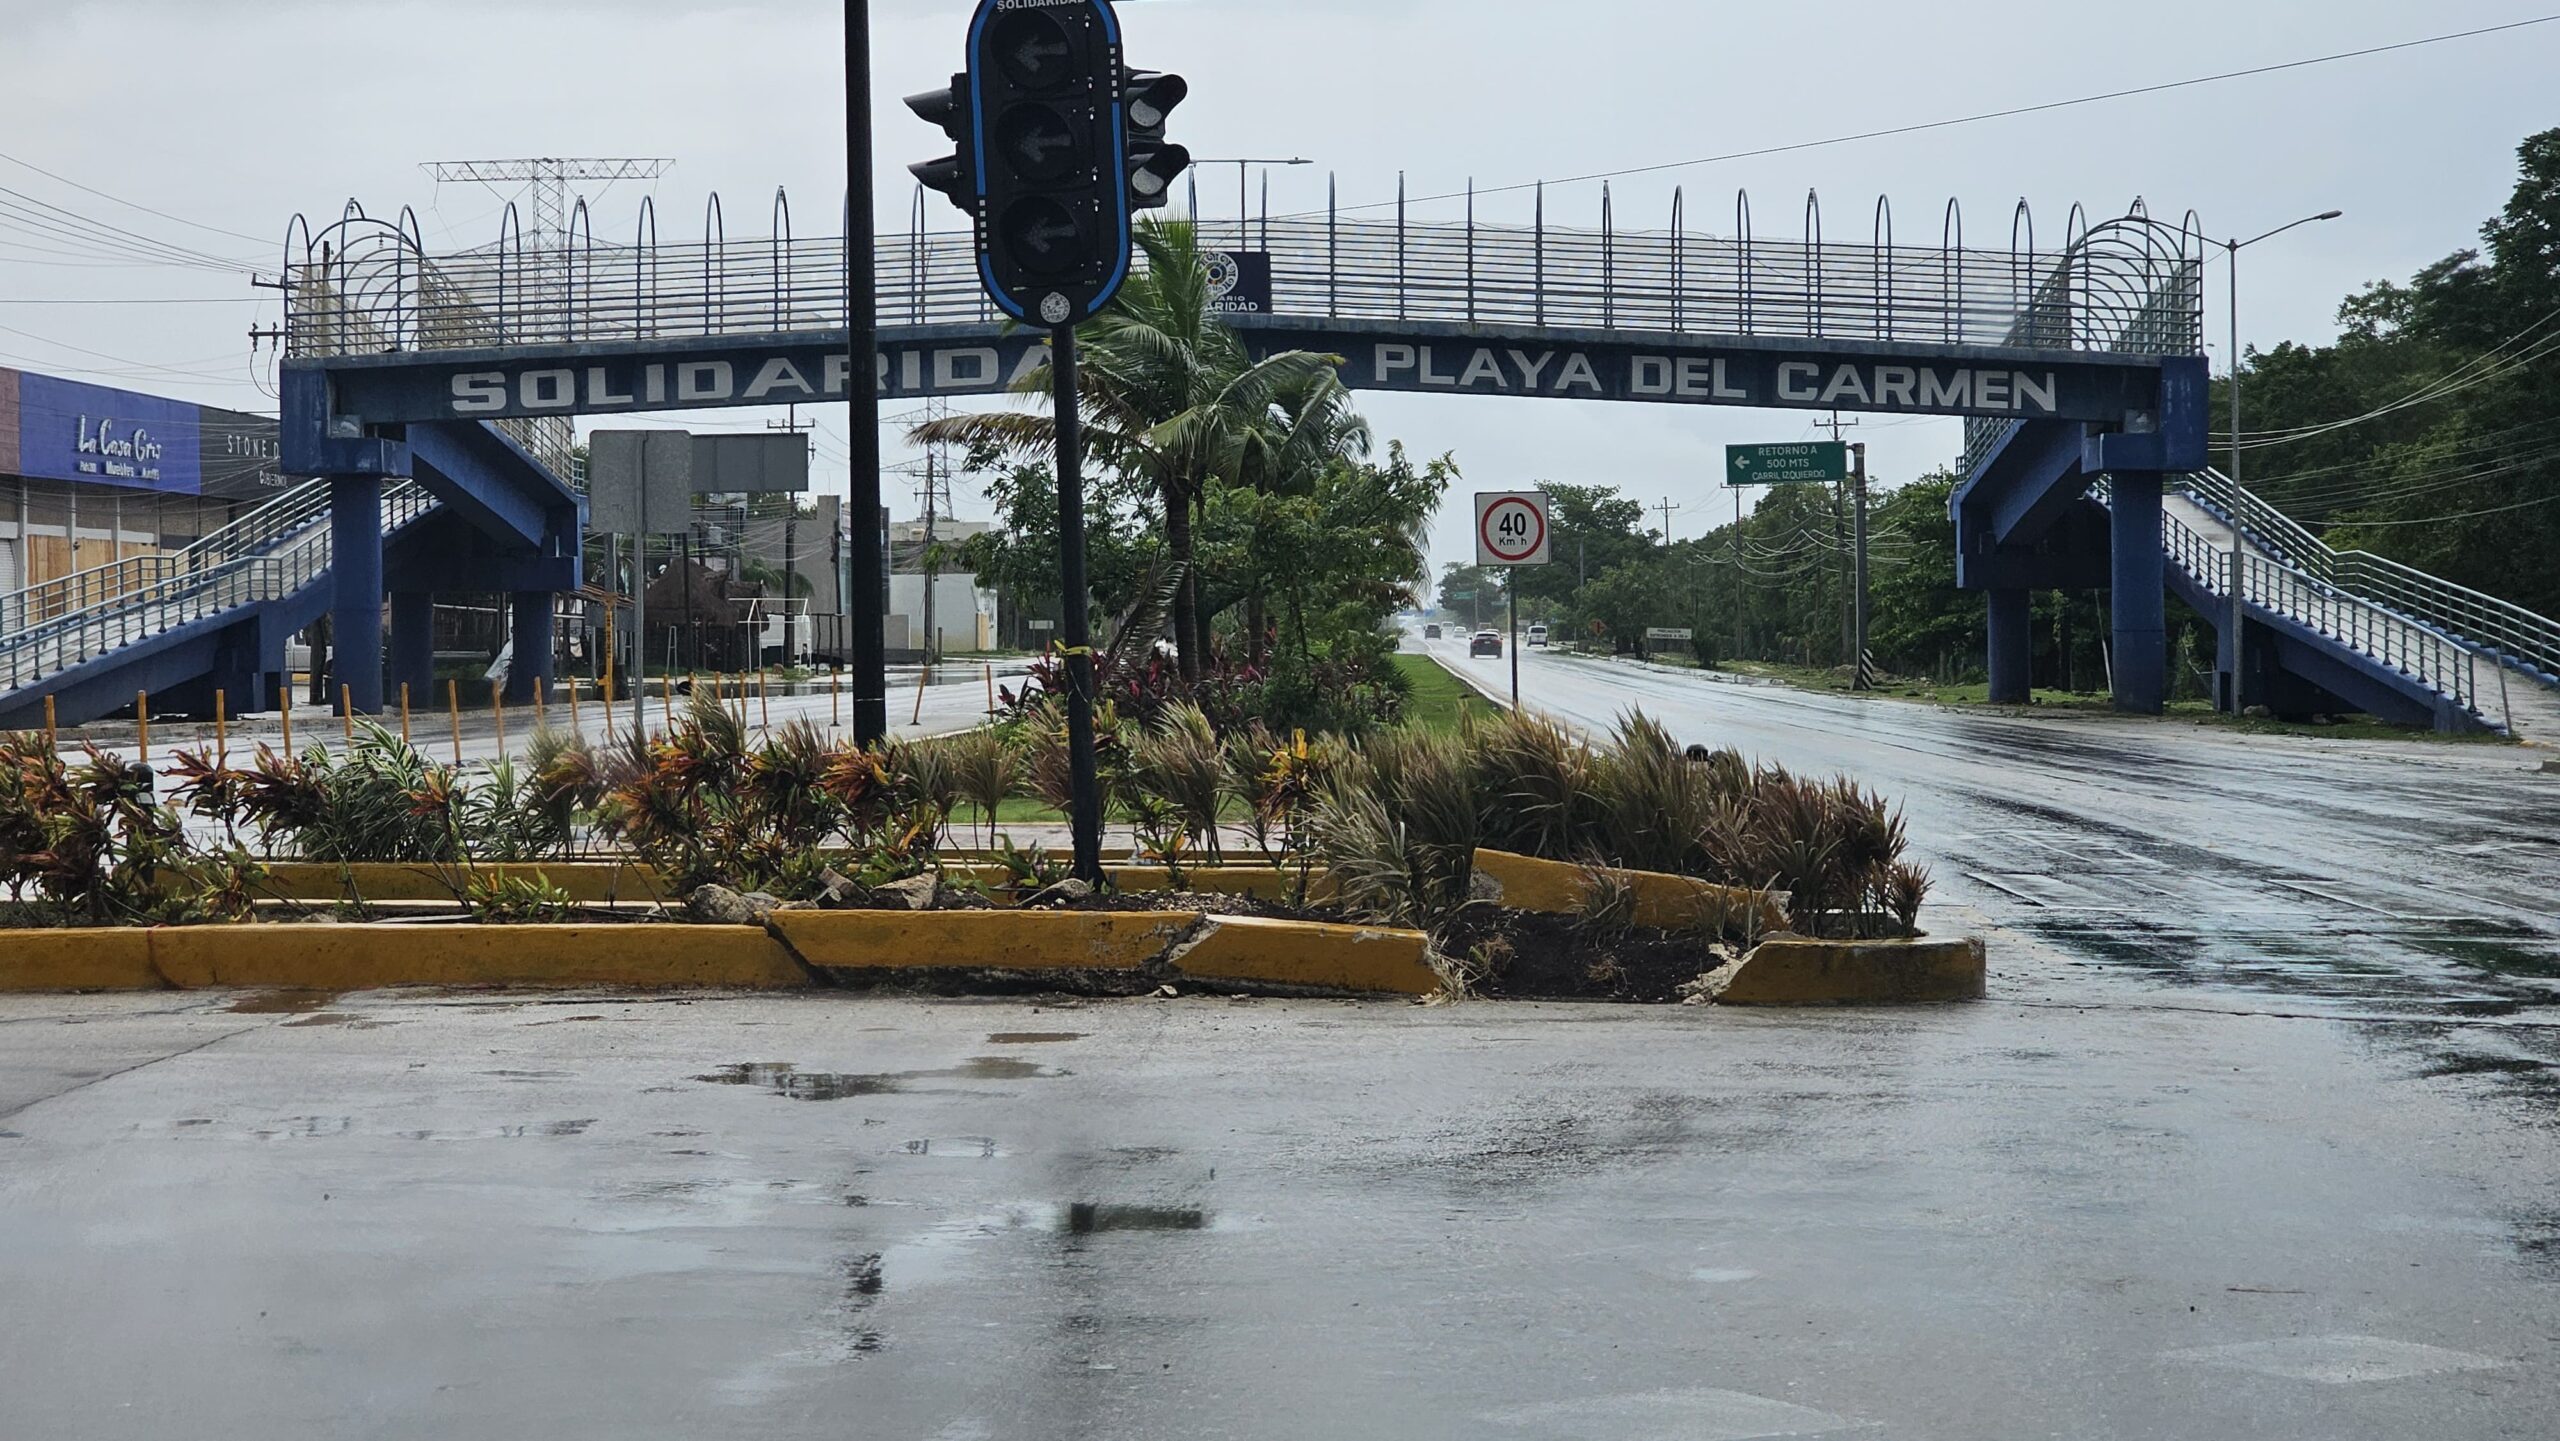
107 448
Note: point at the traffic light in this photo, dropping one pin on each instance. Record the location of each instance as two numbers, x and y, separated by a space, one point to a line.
949 109
1147 98
1057 144
1051 158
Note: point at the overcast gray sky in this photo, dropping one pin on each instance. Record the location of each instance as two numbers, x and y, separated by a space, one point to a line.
234 114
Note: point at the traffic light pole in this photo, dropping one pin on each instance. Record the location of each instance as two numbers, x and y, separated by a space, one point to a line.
870 563
1075 622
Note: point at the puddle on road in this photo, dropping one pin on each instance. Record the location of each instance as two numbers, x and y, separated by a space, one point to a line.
1034 1038
1088 1218
282 1003
785 1079
968 1148
2486 1066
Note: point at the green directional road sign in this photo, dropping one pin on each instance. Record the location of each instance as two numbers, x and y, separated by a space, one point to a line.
1809 462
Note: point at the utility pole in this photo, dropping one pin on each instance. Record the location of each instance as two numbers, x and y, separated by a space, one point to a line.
1863 679
790 548
1850 629
1666 508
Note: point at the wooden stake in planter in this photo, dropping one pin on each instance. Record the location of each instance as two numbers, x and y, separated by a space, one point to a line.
576 726
541 711
498 712
764 699
453 703
347 709
404 712
667 700
284 711
922 676
835 699
991 688
221 731
142 715
52 735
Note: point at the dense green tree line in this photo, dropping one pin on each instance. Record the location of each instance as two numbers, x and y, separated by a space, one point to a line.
2430 432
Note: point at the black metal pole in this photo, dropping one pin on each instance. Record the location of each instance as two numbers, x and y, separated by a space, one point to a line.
865 605
1075 623
1511 587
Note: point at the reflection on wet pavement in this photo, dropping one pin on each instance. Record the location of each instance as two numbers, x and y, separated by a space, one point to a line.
785 1079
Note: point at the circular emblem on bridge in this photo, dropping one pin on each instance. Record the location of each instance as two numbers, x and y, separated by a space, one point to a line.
1223 273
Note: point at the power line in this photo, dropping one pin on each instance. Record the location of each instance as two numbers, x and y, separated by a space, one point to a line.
2011 113
129 205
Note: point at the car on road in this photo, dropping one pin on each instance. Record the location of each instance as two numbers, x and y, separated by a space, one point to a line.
1538 635
1487 642
1431 632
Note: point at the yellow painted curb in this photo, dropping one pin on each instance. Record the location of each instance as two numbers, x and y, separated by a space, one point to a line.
982 940
358 957
1663 902
78 960
1297 953
587 881
1793 971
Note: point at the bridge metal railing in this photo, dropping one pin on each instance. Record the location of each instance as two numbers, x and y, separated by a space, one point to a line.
2419 651
356 326
2125 287
269 554
2526 641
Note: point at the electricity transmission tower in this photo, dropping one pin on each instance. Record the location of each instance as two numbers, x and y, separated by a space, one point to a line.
544 232
547 180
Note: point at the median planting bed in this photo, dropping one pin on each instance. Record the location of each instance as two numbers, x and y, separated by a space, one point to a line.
1509 858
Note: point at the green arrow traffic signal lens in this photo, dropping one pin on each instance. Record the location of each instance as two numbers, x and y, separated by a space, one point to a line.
1037 143
1034 50
1044 236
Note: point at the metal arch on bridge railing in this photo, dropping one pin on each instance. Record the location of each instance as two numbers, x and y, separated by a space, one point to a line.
269 554
2142 281
2125 286
339 282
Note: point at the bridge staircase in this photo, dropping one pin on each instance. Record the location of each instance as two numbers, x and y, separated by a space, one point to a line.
166 623
2364 627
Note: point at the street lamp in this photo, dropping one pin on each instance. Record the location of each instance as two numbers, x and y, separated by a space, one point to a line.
2239 572
1244 206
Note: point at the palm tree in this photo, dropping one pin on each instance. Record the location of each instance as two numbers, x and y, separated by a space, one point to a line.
1168 393
1310 429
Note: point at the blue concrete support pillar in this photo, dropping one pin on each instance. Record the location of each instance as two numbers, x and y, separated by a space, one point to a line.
2139 594
529 671
2013 647
355 563
413 644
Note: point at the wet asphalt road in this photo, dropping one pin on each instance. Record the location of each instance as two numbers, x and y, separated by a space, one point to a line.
2254 1139
1166 1220
2404 876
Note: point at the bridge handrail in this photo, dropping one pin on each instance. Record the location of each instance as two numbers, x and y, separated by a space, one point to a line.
256 530
2420 651
50 647
2116 290
2524 640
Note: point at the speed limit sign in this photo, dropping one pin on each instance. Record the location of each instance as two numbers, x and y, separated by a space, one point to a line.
1511 528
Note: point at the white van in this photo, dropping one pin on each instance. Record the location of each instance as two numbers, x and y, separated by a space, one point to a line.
1538 634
